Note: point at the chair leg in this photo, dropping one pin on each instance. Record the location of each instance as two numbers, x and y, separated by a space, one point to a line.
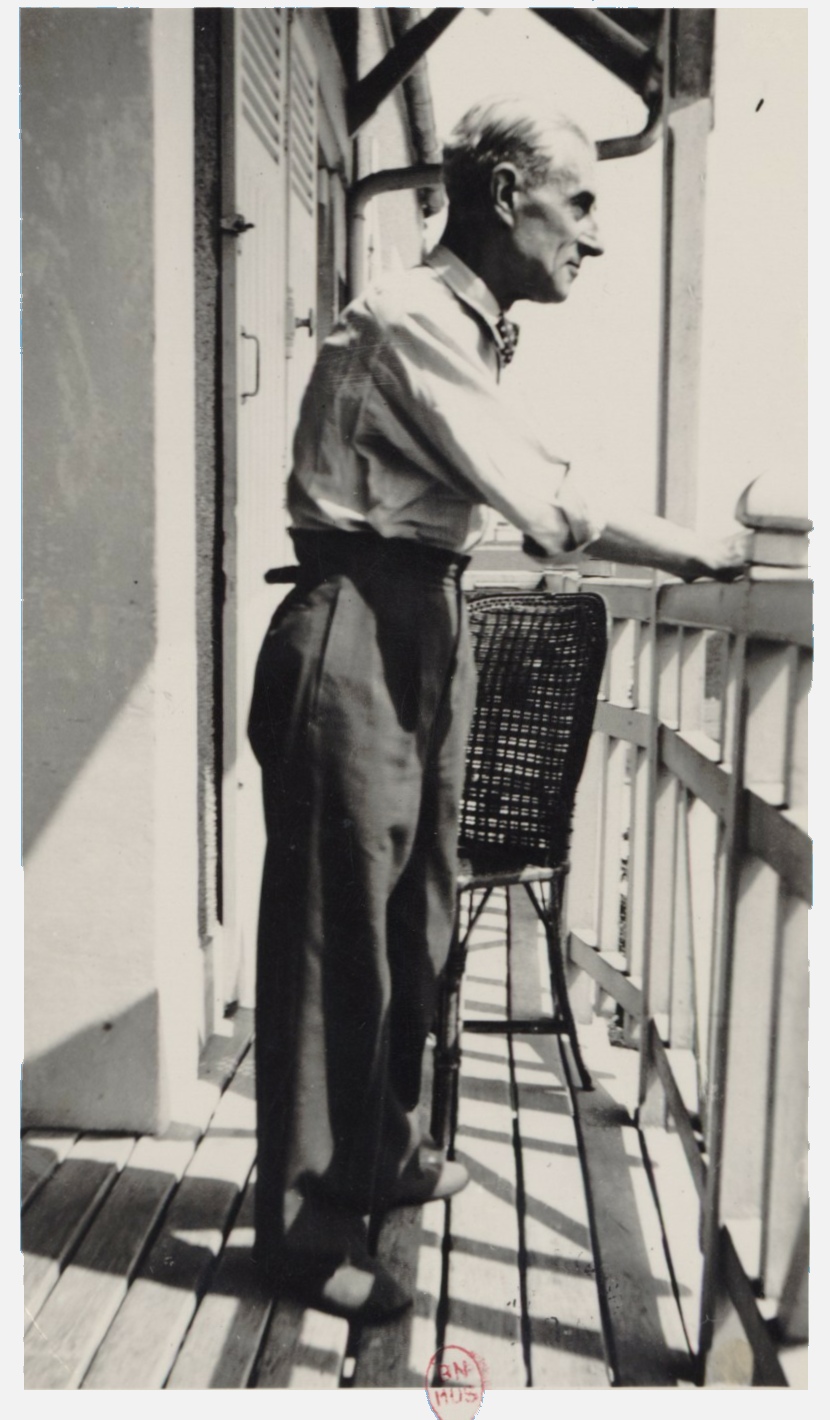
551 918
448 1040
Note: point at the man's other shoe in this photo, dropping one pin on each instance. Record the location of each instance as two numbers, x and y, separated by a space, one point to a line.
424 1182
361 1291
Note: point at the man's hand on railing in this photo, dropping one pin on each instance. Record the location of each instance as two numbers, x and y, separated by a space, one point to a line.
641 538
726 559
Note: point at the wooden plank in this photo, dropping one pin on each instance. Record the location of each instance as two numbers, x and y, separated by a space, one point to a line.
787 1165
681 984
770 669
625 599
76 1316
613 981
221 1347
273 1369
614 823
678 1110
705 870
692 679
754 949
396 1354
622 722
686 760
409 1245
664 869
484 1304
647 1343
621 658
485 980
62 1210
140 1347
767 1367
636 916
566 1341
582 883
679 1206
782 843
781 611
41 1150
303 1349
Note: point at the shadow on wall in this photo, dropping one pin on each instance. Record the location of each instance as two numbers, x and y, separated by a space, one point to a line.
102 1066
88 387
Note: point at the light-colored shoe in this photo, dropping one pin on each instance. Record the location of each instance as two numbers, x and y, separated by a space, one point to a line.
360 1290
423 1182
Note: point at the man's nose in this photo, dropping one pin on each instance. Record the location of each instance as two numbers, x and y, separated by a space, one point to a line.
590 240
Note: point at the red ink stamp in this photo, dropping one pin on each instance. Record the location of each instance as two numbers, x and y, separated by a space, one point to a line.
455 1384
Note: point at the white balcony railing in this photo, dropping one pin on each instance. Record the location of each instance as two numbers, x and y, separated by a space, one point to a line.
687 904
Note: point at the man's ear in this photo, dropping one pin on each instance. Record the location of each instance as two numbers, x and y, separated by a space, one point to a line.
504 184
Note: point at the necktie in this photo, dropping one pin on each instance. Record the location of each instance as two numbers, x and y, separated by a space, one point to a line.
508 338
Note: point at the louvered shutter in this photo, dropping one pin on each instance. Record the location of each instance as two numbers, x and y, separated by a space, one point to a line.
301 319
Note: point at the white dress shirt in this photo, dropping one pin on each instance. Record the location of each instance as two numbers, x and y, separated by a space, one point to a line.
404 428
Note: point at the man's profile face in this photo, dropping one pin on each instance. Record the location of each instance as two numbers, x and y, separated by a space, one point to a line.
555 227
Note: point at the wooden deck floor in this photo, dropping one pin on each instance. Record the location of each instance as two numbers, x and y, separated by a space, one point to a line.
138 1272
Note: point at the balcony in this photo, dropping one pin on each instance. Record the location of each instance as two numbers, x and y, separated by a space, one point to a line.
651 1232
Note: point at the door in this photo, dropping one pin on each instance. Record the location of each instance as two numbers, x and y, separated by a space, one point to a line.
254 416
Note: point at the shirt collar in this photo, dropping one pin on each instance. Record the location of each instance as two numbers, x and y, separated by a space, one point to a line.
468 287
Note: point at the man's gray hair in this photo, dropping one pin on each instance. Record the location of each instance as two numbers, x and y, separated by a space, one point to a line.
505 130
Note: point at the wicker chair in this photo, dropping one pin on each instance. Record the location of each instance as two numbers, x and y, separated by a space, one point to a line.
540 657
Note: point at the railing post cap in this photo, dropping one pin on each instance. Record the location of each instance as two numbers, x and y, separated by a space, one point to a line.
774 503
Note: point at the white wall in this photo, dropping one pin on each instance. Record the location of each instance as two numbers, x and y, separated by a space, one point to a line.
113 996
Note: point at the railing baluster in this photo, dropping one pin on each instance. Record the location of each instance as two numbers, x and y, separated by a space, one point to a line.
769 678
750 1031
787 1180
721 996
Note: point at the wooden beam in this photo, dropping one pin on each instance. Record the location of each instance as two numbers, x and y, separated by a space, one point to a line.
677 1109
612 981
368 93
706 780
622 723
767 1367
780 842
609 44
780 611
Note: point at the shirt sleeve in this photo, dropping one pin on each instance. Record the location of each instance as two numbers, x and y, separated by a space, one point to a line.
432 404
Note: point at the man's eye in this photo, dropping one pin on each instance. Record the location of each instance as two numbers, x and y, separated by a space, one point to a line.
582 203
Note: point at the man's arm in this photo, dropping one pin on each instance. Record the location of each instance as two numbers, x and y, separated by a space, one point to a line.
632 536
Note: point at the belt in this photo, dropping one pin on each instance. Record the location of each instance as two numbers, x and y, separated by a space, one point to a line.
325 554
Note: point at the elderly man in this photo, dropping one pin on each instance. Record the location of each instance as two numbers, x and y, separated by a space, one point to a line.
365 685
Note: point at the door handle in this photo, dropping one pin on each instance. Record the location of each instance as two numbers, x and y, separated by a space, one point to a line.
307 321
249 394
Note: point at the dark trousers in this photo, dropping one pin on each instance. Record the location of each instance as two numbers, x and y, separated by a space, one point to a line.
362 703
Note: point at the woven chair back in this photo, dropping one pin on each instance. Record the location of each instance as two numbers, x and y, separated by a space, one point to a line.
539 657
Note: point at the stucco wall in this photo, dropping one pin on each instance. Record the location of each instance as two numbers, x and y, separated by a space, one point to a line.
108 685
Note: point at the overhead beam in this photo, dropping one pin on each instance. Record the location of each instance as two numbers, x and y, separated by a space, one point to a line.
612 46
366 96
